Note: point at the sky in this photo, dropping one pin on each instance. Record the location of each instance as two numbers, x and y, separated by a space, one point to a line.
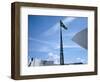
44 38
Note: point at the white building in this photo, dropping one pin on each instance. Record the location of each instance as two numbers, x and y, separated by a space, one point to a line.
39 62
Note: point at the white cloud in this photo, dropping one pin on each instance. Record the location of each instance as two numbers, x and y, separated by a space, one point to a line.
67 46
55 28
52 30
68 20
45 45
44 49
53 57
41 49
80 60
40 41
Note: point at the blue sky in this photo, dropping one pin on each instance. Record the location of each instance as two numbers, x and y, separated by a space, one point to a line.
44 39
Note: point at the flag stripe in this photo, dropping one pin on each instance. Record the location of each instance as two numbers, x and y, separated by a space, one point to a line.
62 25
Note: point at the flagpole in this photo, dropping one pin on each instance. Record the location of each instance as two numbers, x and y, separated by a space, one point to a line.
61 48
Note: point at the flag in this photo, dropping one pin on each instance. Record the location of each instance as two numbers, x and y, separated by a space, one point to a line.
62 25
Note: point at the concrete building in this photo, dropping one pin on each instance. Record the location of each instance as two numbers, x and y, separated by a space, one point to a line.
46 62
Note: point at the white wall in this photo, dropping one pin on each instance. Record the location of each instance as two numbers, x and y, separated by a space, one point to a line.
5 38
